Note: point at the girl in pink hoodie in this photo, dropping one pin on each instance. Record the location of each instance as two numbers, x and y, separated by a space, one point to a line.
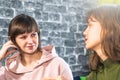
30 61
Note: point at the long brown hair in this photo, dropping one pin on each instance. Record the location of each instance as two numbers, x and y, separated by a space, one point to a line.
109 18
21 24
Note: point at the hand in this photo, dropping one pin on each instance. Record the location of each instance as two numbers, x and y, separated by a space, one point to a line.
4 50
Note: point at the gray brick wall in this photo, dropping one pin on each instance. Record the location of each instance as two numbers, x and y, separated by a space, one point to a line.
61 22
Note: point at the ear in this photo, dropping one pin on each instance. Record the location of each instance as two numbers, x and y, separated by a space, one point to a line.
9 38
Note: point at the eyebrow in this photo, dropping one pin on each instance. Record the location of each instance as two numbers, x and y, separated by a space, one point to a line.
92 19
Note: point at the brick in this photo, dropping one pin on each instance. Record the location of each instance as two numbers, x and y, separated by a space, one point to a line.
54 8
73 28
46 40
67 35
32 0
27 12
5 3
76 67
11 4
34 5
79 17
40 25
77 3
69 51
44 16
66 59
82 27
71 18
3 31
79 50
29 4
54 34
57 42
44 33
3 40
5 12
66 1
72 59
80 43
60 51
53 17
52 1
82 59
79 35
70 43
4 23
54 26
39 15
74 10
16 4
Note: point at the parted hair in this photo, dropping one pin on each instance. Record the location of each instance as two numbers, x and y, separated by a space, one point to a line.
20 24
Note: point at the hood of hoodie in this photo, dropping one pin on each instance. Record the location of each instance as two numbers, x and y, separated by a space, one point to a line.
14 65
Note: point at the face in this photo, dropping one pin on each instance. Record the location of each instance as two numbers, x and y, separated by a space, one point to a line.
92 34
28 42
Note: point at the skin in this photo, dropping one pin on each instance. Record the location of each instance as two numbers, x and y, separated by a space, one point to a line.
27 45
4 50
93 37
27 42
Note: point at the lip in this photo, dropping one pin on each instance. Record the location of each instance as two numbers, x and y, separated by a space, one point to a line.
85 39
30 47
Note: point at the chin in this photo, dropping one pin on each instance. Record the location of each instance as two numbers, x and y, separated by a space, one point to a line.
88 47
29 52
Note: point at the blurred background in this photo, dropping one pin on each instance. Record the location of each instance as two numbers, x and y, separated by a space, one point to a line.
61 23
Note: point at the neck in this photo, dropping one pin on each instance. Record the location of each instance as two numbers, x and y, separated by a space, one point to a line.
101 54
29 59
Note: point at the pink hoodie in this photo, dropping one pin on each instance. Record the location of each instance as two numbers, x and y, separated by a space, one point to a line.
50 65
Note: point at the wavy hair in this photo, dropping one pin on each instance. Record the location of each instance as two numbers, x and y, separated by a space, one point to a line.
109 18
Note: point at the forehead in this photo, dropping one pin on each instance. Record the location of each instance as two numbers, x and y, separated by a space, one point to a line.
26 33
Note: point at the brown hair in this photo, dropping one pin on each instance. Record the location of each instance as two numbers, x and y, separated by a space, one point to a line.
21 24
109 18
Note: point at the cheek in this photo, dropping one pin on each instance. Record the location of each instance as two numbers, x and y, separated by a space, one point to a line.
19 43
93 38
36 40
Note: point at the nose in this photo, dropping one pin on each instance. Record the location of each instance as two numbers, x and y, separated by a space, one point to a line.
85 32
29 40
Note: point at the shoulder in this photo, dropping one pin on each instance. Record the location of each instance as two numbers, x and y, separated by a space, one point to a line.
60 60
62 64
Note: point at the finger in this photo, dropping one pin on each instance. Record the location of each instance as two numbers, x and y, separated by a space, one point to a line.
10 52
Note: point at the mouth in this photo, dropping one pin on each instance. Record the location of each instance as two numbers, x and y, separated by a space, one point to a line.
30 47
85 39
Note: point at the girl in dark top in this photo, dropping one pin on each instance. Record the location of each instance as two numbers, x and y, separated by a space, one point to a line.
102 40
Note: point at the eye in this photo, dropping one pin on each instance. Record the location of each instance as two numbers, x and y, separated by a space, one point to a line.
89 24
33 34
23 37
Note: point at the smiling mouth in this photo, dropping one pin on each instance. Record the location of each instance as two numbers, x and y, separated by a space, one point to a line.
30 47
